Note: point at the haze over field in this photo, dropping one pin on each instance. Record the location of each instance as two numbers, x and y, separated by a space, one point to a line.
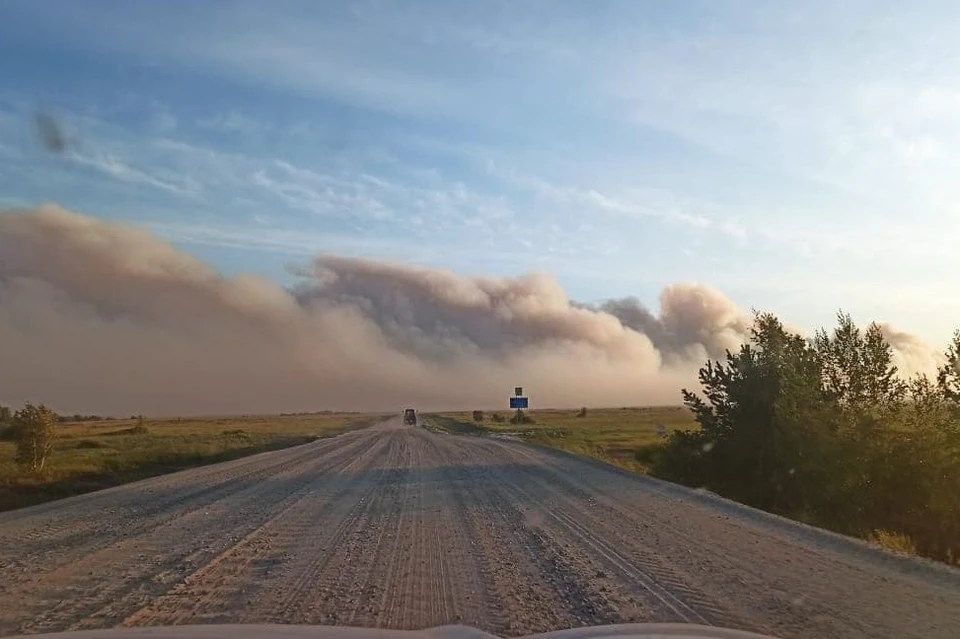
104 317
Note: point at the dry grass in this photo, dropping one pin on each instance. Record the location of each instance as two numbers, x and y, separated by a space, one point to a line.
92 455
897 542
625 437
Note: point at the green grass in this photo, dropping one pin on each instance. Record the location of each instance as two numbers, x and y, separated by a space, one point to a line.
92 455
625 437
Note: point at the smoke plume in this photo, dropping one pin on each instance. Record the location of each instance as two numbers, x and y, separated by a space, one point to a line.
100 317
911 354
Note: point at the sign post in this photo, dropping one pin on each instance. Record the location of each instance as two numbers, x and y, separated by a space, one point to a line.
519 402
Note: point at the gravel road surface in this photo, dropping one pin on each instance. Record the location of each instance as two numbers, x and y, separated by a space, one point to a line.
397 527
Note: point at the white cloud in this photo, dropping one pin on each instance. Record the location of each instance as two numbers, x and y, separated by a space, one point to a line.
235 122
124 172
631 202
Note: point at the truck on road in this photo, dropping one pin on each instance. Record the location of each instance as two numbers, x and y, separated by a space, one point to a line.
410 417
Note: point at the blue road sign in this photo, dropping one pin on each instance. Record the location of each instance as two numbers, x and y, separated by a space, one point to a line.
519 402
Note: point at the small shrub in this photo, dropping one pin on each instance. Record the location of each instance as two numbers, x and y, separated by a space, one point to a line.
90 444
891 540
648 454
521 418
478 415
6 424
582 412
35 428
497 418
139 429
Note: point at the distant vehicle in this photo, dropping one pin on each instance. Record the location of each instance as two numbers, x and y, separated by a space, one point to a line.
410 417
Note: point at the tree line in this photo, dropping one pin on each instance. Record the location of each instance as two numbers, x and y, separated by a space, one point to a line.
826 430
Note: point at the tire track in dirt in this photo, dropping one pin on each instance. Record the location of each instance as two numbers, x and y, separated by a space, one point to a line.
142 566
231 580
530 585
766 583
576 513
397 527
42 533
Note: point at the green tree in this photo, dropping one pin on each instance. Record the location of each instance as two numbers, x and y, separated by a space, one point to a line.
6 427
760 415
35 428
948 376
858 369
827 431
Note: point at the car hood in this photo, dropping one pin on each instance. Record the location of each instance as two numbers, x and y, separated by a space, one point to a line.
284 631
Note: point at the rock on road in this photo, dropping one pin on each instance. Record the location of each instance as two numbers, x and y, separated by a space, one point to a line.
397 527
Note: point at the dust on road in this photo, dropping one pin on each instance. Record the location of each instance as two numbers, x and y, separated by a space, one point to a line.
397 527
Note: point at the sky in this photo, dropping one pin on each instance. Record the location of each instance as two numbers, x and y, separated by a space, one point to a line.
799 158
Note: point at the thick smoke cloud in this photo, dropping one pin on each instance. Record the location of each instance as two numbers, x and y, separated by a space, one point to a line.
912 355
695 322
100 317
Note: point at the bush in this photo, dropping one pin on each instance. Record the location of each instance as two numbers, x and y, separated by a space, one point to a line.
478 415
521 417
897 542
497 418
6 426
34 429
90 444
827 431
582 412
77 417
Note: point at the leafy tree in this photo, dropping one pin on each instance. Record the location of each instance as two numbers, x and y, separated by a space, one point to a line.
858 369
34 432
948 376
758 415
6 426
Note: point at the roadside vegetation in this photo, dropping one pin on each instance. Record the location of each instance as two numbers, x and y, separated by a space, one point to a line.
87 454
625 437
828 432
824 430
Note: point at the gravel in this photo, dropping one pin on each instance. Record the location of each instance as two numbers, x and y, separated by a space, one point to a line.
397 527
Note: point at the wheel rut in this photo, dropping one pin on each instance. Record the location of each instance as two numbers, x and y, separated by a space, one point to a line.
397 527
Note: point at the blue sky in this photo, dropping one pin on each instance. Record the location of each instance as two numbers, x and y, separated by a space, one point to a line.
799 157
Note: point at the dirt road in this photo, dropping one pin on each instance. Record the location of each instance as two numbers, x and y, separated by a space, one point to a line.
397 527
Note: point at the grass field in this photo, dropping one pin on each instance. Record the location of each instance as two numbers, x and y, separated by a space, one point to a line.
97 454
92 455
625 437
